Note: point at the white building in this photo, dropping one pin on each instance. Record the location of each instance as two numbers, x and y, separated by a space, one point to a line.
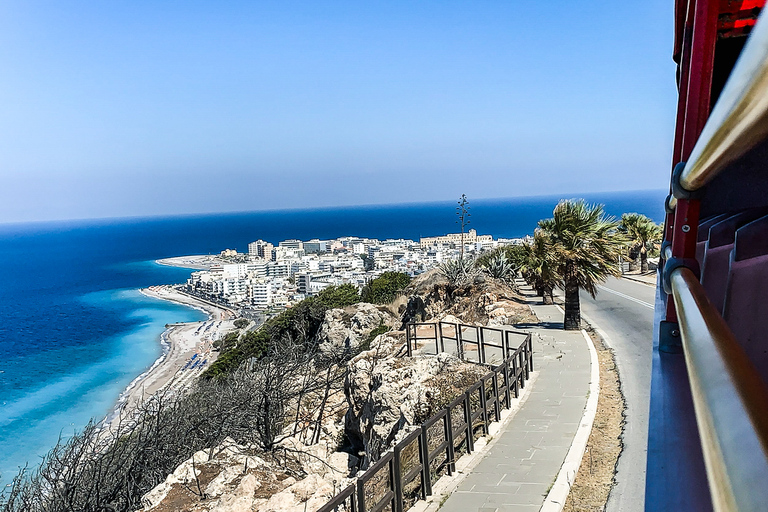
291 244
470 237
316 246
260 293
261 249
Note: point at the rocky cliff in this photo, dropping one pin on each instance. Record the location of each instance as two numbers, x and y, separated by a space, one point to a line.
382 395
484 302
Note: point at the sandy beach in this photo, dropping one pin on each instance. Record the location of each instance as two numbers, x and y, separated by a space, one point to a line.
187 350
196 262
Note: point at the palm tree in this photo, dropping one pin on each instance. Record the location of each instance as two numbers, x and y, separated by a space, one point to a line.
587 245
540 266
644 235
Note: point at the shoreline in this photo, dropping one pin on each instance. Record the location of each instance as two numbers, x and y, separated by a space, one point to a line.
194 261
183 345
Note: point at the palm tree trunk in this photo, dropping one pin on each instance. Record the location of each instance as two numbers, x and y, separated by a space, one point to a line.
572 321
546 295
643 260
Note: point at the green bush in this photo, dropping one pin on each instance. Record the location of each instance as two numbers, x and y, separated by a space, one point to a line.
339 296
241 322
384 289
299 323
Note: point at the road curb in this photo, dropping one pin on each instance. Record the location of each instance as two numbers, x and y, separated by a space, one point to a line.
555 500
633 278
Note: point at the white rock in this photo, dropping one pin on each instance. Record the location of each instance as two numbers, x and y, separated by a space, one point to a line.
220 484
308 494
242 499
344 329
184 473
387 395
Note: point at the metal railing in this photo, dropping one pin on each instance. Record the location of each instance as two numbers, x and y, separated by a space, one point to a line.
739 120
729 397
491 344
407 472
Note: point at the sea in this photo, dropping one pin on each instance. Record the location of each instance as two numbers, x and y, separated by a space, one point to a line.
75 331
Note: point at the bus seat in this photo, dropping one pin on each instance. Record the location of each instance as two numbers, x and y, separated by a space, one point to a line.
717 254
745 306
703 234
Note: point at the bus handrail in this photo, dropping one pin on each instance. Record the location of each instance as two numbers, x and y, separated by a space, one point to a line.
739 120
730 400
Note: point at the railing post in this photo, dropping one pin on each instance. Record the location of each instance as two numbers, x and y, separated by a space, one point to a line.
437 345
468 420
424 469
449 437
481 345
360 496
424 446
484 405
527 361
529 340
397 478
495 384
408 339
449 447
514 374
459 341
459 345
394 502
503 369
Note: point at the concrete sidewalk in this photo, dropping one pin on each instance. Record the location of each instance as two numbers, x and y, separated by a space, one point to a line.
523 461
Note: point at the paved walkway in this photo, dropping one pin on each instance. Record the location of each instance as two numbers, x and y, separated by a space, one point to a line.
525 458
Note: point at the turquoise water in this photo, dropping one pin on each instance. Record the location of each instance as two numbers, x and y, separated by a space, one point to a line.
75 332
86 385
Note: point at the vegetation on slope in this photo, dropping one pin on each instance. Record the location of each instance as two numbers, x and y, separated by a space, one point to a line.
299 324
100 470
385 288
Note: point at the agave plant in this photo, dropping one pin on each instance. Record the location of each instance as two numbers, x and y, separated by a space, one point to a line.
458 272
499 267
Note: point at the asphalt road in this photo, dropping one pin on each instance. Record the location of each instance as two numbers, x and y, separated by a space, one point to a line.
623 310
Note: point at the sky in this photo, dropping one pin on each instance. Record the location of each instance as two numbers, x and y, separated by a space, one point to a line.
140 108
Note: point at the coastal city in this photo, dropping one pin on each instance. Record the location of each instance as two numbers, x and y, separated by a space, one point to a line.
270 278
367 256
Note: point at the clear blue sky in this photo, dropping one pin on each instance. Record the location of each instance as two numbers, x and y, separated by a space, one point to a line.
123 108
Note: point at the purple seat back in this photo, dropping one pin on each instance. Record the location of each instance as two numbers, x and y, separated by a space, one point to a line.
714 268
745 306
703 235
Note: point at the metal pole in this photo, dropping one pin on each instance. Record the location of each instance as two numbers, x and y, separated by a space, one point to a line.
468 419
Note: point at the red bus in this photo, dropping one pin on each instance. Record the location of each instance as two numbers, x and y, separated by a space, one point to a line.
708 422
